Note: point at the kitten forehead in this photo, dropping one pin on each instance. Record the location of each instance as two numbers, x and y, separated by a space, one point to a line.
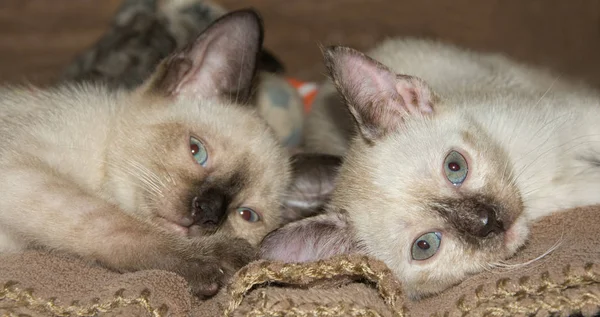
239 127
245 142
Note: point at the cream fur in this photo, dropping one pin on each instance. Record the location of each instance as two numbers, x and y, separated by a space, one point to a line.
79 141
531 139
110 175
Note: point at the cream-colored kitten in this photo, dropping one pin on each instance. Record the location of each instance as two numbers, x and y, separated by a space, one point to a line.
176 175
456 154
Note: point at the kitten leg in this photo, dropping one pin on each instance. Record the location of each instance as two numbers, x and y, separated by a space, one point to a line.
43 209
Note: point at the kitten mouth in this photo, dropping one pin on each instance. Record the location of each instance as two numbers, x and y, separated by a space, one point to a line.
174 226
186 227
515 235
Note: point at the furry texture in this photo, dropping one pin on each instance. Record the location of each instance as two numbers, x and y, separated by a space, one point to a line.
112 176
527 143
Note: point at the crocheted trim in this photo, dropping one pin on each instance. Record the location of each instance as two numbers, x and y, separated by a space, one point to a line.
340 309
25 298
259 309
546 294
307 273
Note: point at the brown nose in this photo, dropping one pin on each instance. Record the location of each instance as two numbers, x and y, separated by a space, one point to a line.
209 208
476 216
487 222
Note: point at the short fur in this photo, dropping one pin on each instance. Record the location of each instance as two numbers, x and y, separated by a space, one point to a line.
531 143
109 175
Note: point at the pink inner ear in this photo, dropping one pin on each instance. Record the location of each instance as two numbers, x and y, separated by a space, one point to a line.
367 79
377 98
223 58
310 239
294 249
191 83
208 75
369 83
415 93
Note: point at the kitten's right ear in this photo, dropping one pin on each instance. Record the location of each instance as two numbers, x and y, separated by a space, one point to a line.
310 239
221 62
377 98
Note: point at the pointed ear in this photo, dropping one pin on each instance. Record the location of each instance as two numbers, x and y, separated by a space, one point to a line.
310 239
313 180
377 98
221 62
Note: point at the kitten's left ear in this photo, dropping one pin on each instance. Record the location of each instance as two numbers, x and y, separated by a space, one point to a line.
377 98
313 178
221 62
310 239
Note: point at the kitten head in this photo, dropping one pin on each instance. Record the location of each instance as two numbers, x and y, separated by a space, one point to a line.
188 155
423 187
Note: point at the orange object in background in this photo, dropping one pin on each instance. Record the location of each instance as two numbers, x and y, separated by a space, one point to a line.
307 91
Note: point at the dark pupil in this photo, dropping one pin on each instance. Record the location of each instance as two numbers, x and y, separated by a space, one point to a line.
245 214
195 148
453 166
422 244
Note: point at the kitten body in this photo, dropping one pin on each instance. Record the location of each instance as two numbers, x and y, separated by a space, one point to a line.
452 155
177 174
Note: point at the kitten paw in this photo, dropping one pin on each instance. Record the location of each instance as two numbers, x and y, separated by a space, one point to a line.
204 277
207 274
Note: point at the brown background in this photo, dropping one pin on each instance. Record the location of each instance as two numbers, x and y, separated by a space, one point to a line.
39 37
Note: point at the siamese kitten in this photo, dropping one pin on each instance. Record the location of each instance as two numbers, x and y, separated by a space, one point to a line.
456 154
175 175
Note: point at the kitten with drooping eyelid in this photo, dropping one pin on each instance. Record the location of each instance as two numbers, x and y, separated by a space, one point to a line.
178 174
453 154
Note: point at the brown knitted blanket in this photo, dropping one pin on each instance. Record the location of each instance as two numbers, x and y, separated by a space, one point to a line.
566 281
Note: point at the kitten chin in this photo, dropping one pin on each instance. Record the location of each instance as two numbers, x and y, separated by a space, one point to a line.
179 174
450 157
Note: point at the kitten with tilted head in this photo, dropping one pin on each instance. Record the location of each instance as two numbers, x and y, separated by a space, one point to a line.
449 157
177 174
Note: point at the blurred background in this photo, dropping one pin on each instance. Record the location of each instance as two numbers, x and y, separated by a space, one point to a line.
40 37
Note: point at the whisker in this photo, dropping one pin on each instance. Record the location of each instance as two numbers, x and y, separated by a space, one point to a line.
514 266
239 82
141 174
547 90
560 145
148 186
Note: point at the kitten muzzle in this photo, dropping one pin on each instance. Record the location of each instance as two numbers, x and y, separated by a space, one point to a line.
209 208
475 216
489 222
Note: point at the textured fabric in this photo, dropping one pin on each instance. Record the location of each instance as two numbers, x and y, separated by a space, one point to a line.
566 281
141 34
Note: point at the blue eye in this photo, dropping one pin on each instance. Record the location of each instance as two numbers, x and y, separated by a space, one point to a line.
426 246
456 168
248 214
198 151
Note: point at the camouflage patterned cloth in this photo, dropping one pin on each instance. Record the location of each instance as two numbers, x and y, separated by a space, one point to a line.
142 33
